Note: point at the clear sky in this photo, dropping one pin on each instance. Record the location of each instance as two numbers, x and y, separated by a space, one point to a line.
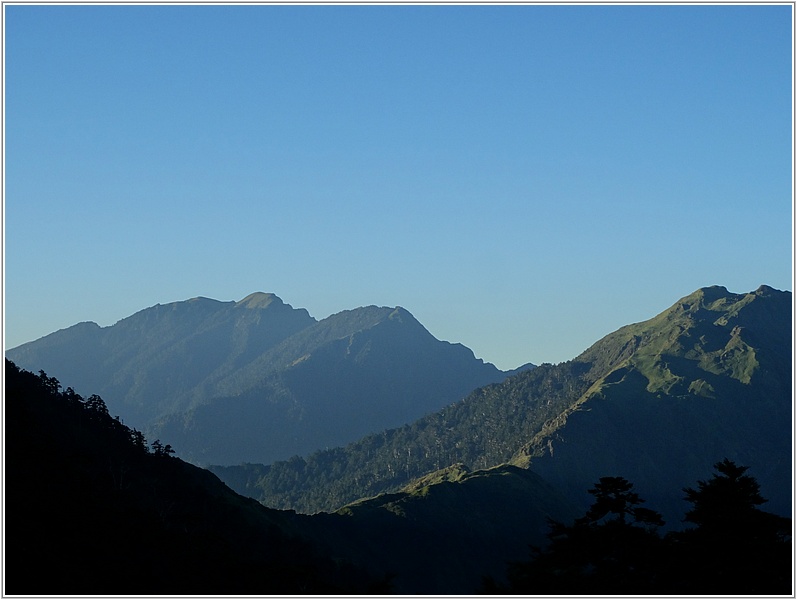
524 179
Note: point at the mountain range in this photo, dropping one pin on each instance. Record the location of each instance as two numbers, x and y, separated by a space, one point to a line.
258 380
436 504
657 402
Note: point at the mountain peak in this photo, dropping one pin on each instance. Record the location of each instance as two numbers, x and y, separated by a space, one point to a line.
259 300
713 293
765 290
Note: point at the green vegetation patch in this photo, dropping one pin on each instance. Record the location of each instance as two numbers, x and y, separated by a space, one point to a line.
700 387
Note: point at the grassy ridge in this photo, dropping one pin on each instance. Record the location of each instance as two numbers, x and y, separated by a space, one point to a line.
708 378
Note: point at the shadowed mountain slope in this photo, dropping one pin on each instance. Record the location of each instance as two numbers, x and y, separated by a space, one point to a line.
444 533
90 510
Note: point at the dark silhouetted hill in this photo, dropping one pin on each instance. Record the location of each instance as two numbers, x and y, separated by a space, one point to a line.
91 509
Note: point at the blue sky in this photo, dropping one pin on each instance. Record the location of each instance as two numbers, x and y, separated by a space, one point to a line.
523 179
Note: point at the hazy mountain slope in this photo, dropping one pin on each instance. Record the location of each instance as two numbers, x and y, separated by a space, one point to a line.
257 380
166 357
344 377
708 378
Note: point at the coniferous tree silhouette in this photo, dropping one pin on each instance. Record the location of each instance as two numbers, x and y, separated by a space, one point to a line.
159 449
726 501
613 549
614 496
734 548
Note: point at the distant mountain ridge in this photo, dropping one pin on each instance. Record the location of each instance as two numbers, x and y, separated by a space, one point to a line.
656 402
167 357
258 380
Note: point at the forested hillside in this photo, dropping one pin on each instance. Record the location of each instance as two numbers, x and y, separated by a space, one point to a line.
707 378
482 430
92 509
